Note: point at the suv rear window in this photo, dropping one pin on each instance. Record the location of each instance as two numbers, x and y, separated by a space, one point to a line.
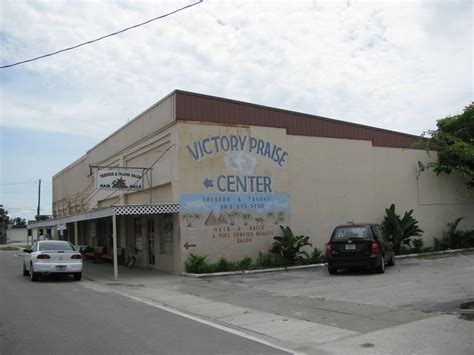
346 233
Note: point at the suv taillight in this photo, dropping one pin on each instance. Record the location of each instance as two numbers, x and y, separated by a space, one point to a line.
76 256
328 248
43 256
375 247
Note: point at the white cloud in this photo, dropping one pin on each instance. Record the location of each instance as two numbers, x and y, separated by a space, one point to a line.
394 65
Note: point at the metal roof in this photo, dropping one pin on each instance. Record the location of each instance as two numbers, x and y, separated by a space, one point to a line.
197 107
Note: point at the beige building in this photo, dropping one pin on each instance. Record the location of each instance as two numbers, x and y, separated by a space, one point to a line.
216 177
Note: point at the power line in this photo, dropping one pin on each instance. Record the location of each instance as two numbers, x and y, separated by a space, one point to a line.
18 183
26 209
101 38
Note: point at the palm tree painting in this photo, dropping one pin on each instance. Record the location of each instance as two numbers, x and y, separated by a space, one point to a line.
246 217
190 218
278 217
232 216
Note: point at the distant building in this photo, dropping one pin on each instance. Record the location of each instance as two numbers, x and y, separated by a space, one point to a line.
17 234
216 177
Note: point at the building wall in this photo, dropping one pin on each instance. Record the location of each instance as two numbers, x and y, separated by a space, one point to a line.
17 235
334 181
137 144
225 218
328 181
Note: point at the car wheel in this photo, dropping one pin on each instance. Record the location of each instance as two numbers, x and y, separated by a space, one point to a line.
381 268
77 276
25 272
391 262
33 274
332 270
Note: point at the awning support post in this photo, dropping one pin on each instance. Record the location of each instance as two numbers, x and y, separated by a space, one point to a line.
76 237
114 243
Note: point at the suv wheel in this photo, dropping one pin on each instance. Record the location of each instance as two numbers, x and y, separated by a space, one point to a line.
381 268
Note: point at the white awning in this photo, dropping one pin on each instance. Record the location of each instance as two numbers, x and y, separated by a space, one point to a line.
119 210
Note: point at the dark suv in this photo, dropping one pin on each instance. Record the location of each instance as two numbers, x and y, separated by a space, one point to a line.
359 245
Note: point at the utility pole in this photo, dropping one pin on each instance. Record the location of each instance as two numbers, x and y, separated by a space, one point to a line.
39 200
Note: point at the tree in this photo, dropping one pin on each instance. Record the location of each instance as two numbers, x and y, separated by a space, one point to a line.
4 220
289 246
454 141
19 221
400 229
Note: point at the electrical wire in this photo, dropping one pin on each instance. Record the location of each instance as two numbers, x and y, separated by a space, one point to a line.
18 183
101 38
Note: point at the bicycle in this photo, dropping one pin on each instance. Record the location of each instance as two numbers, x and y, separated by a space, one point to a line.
131 259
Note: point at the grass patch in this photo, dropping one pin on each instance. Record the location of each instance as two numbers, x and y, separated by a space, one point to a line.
9 248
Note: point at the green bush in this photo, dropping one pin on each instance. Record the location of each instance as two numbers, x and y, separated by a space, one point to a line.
269 260
404 250
197 264
417 244
289 246
401 229
245 264
454 238
223 265
317 256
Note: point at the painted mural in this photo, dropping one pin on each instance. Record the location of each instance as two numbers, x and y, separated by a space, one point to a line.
240 216
235 199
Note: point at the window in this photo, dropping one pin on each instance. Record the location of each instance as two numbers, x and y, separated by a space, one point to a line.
56 246
346 233
166 240
35 247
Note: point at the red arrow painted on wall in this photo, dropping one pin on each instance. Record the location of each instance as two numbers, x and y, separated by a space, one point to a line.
187 245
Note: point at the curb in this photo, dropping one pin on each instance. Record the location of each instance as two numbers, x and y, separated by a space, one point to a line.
258 271
312 266
449 251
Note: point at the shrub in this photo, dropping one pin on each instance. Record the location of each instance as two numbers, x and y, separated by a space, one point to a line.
454 238
289 246
401 229
317 256
245 264
268 260
197 264
417 244
223 265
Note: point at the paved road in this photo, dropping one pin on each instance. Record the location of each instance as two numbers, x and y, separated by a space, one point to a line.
60 316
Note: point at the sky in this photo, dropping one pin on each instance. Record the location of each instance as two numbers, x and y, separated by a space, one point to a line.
398 65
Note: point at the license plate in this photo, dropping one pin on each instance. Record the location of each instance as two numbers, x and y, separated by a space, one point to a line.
350 246
60 267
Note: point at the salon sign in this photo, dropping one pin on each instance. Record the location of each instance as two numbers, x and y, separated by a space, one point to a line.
120 179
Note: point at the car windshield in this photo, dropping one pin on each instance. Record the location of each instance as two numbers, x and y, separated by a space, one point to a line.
55 246
346 233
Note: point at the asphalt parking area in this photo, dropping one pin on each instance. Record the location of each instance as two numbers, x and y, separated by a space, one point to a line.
413 289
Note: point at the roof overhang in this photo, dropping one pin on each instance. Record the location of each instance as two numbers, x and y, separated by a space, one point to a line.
118 210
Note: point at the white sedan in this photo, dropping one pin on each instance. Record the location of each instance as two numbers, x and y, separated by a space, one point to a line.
52 257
